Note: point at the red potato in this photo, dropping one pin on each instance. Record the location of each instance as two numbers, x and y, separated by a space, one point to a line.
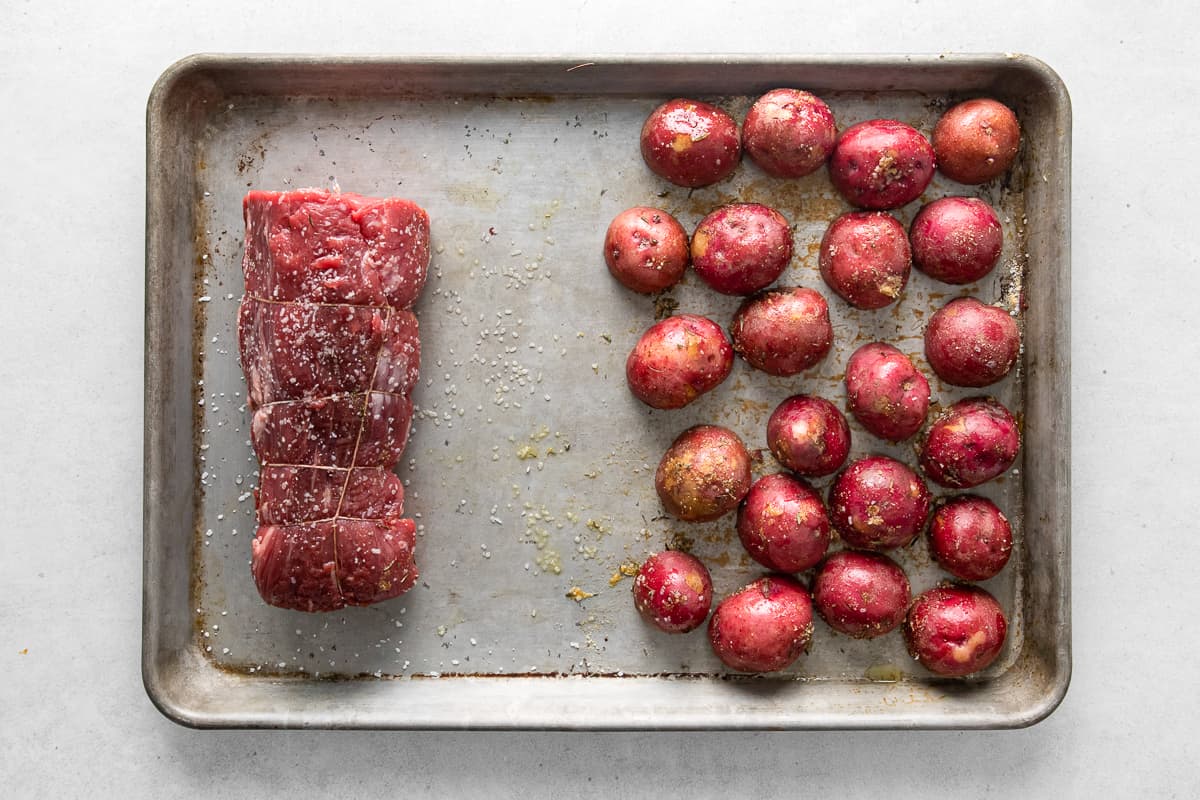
955 630
783 525
677 360
741 248
691 143
862 595
971 344
976 141
885 392
970 443
881 163
646 249
789 133
673 591
956 239
970 538
865 258
762 627
704 474
808 435
783 331
877 503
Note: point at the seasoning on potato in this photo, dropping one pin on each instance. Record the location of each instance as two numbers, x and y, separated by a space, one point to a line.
885 392
866 259
673 591
646 249
741 248
863 595
783 331
970 538
764 626
955 630
691 143
956 239
971 344
881 164
976 140
783 525
874 503
969 443
877 503
808 435
704 474
790 133
677 360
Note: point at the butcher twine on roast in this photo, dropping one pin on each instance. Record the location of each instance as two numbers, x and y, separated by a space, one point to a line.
331 355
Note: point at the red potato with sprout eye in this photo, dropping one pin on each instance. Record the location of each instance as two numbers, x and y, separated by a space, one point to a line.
691 143
783 525
783 331
956 240
673 591
741 248
877 503
677 360
881 164
885 392
646 249
955 630
764 626
970 538
808 435
862 595
976 141
704 474
969 443
790 133
866 259
971 344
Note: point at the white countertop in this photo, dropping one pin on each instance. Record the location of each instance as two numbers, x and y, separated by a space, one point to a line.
74 718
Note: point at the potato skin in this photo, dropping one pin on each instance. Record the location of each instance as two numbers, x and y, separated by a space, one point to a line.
808 435
646 249
677 360
764 626
783 525
741 248
877 503
783 331
691 143
885 392
955 630
704 474
971 344
673 591
970 538
862 595
881 164
790 133
956 240
866 259
976 140
970 443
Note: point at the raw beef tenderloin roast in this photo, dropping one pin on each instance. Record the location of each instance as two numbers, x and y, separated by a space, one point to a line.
330 351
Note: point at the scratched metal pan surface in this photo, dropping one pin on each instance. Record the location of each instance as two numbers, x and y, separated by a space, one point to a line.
530 467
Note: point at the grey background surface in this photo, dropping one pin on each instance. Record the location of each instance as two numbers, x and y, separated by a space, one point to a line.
73 716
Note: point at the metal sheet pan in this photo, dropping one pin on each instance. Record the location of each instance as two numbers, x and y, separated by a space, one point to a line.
530 468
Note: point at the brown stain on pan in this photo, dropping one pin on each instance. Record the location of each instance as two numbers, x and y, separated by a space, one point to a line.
245 669
203 258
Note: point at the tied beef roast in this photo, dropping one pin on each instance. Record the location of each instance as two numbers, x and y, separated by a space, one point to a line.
330 351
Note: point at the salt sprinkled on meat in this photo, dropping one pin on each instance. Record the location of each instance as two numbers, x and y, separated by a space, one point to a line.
331 355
